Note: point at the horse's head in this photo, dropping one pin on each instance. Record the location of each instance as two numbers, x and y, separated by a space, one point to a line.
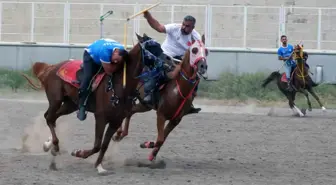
148 50
198 57
298 54
150 45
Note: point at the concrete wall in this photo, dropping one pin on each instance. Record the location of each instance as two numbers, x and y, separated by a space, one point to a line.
21 56
226 23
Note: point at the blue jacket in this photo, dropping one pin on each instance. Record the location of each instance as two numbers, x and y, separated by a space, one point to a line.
101 50
286 52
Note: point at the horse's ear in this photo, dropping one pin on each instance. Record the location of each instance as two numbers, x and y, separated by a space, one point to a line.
140 39
192 39
203 39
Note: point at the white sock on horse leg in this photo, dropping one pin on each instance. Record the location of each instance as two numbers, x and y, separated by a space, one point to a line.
298 111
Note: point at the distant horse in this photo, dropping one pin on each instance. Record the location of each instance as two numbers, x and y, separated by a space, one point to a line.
174 99
301 81
109 101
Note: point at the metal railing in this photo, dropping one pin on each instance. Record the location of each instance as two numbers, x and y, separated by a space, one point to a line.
223 26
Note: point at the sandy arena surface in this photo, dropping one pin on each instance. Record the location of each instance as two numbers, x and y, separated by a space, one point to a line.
234 145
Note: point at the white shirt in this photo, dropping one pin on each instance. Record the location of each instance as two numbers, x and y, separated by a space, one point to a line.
176 43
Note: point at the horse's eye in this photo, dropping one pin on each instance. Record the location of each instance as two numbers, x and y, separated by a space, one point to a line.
194 50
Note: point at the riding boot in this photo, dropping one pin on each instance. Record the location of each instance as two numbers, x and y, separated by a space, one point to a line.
289 85
192 108
148 97
81 112
149 88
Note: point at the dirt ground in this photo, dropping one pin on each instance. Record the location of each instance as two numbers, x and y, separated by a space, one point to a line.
244 146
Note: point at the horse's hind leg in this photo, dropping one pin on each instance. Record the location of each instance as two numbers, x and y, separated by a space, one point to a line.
66 108
311 91
295 109
303 91
121 133
51 118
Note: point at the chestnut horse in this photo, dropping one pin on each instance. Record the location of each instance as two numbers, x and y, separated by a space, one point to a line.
174 98
62 94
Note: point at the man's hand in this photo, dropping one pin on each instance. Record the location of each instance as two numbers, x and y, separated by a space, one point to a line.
146 14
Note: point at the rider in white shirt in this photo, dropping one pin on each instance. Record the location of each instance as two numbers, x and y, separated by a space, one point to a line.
178 36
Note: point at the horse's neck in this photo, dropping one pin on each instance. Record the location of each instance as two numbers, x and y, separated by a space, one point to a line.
183 84
186 68
301 68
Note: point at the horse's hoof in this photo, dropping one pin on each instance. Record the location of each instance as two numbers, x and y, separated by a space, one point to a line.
52 166
116 138
147 144
53 152
323 108
101 170
151 157
304 111
46 147
76 153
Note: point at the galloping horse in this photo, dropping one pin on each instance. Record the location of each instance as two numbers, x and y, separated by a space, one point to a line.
301 81
59 82
174 98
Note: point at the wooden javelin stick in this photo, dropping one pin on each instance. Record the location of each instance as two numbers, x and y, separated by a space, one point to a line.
142 11
125 36
125 45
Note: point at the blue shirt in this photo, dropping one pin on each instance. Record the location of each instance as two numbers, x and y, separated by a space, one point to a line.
101 50
286 52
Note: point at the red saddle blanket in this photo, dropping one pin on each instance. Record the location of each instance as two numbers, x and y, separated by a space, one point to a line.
68 73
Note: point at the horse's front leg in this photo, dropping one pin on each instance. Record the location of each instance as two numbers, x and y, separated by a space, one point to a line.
160 137
170 127
311 91
303 91
121 133
108 136
99 132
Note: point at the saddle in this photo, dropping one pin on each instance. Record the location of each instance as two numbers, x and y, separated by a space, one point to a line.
80 73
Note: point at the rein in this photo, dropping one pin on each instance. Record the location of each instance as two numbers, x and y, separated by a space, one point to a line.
192 80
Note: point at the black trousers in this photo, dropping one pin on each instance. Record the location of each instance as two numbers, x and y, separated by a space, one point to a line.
90 68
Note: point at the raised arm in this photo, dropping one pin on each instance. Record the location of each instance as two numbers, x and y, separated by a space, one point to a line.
154 23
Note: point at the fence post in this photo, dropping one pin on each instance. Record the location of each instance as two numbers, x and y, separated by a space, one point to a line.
101 22
135 22
137 19
0 21
209 26
66 23
32 25
319 25
245 26
282 23
172 14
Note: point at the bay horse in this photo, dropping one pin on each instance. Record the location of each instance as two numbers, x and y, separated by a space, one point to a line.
109 101
301 82
174 99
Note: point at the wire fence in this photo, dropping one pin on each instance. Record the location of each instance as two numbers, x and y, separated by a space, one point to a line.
223 26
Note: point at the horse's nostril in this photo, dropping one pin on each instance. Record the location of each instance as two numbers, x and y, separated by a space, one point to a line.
202 66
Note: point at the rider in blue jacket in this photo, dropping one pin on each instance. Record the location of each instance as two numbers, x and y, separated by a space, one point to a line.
101 53
285 53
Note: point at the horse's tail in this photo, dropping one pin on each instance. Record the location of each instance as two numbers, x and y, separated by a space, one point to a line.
270 78
39 70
